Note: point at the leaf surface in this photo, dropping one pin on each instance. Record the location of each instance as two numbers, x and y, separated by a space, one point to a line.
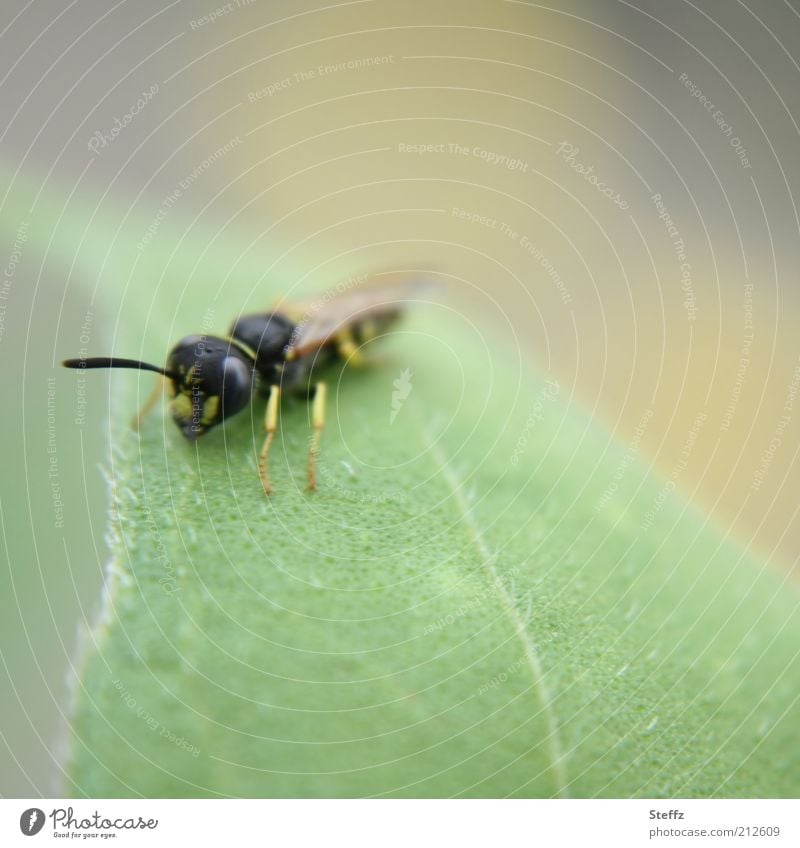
460 610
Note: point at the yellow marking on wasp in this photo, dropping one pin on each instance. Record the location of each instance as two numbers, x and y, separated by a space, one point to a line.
347 348
181 407
368 330
246 349
210 409
270 426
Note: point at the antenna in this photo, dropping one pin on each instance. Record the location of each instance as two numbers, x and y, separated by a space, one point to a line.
116 362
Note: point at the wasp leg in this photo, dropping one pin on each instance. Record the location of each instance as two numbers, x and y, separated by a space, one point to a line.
152 400
347 348
318 422
270 426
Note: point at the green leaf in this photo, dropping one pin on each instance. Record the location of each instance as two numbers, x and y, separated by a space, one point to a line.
474 603
462 609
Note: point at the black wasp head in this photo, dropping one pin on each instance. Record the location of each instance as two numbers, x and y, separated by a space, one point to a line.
212 380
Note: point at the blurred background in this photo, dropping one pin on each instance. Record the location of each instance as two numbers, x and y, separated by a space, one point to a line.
611 185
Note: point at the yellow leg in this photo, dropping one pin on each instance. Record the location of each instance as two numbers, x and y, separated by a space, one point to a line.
318 423
152 400
270 426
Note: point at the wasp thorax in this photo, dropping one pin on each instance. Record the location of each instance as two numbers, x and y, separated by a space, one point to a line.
213 380
267 336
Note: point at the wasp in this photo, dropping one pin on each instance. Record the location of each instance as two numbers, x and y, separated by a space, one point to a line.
212 378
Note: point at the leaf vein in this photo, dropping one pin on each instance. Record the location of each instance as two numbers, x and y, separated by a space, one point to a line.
456 485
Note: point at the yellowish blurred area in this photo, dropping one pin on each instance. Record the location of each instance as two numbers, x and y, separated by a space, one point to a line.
560 167
609 189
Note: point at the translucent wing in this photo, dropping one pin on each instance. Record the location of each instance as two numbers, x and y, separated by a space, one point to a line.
382 297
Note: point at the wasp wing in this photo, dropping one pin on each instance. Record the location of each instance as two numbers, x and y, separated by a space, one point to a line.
382 297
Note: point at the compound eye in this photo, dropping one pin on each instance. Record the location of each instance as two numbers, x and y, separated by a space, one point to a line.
237 385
